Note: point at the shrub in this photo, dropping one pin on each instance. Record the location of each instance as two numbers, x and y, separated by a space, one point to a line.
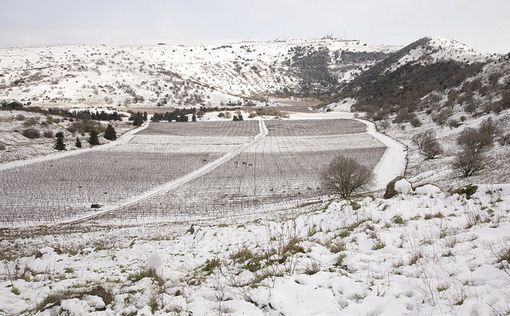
468 190
442 117
110 133
85 126
48 134
345 176
2 146
31 122
405 116
59 142
504 140
20 117
468 161
93 139
384 124
452 123
489 127
147 273
78 143
415 122
31 133
428 144
473 140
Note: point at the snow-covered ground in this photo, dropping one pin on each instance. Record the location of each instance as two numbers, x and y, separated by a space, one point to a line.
22 150
437 254
123 139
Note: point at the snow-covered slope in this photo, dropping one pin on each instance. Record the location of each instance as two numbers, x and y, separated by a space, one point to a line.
400 81
432 254
437 49
177 75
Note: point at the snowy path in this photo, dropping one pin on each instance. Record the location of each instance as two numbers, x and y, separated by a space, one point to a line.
123 139
393 162
169 186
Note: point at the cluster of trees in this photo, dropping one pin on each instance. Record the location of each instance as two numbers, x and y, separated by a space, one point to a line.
238 117
179 115
98 116
93 138
138 118
84 115
311 65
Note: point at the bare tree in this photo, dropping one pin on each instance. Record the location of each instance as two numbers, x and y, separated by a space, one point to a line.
490 127
345 176
469 161
428 144
475 140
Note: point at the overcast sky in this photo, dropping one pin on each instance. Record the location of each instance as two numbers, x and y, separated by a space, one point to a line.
484 25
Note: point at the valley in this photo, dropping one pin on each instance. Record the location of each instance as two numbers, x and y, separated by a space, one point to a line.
286 177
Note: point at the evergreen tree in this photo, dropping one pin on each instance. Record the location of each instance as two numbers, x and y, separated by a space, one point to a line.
138 119
110 133
93 139
78 143
59 142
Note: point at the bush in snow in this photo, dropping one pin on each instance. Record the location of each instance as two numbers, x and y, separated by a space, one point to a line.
504 140
110 133
428 144
468 190
469 162
490 127
59 141
31 133
474 142
344 176
442 117
48 134
93 139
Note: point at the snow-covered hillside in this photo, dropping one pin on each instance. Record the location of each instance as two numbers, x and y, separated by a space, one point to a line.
177 75
430 65
436 49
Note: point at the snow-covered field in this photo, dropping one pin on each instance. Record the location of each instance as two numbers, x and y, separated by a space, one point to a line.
176 169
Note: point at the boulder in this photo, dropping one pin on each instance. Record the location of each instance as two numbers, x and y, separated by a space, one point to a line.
427 189
390 188
403 186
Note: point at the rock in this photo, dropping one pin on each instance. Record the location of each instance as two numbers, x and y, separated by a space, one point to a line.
390 188
403 186
427 189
